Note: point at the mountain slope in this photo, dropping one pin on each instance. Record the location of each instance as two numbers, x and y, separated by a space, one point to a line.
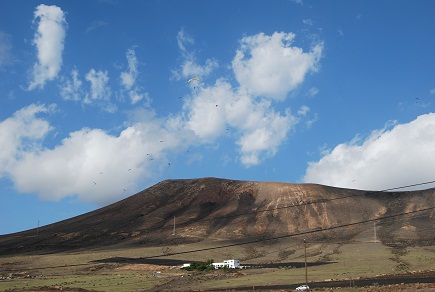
221 209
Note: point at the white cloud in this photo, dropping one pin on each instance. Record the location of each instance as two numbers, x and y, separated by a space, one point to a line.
207 110
313 91
99 85
136 95
144 143
260 130
49 41
270 66
90 163
128 79
100 91
262 141
71 89
95 24
402 155
190 66
74 167
311 121
97 94
21 132
308 21
303 110
183 39
5 49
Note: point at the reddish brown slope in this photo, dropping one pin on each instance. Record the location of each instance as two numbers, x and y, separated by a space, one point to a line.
225 209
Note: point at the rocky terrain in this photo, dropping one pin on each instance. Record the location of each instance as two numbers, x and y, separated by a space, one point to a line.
181 211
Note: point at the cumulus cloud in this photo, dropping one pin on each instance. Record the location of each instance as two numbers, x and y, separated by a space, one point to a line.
270 66
96 166
267 68
398 155
90 163
262 141
259 128
22 132
49 41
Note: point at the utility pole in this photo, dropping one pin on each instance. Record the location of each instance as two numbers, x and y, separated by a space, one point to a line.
306 268
374 229
37 229
173 233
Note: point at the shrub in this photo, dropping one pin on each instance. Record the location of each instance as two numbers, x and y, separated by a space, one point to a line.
200 266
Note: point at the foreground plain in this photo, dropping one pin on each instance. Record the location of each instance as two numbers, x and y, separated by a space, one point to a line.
273 263
352 237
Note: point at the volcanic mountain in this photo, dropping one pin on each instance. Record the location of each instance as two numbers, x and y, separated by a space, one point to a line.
188 210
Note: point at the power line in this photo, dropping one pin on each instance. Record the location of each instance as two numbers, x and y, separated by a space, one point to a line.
291 235
385 220
322 200
359 193
413 185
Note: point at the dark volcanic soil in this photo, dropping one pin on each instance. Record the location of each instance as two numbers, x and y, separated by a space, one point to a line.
221 209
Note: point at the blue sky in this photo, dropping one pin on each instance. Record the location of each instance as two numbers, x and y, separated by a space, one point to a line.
96 103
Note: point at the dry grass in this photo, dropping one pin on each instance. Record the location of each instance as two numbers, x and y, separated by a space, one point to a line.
78 270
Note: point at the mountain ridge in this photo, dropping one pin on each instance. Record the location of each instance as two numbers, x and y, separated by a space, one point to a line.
225 209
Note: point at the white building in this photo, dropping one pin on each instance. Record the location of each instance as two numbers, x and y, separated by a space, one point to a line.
230 264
